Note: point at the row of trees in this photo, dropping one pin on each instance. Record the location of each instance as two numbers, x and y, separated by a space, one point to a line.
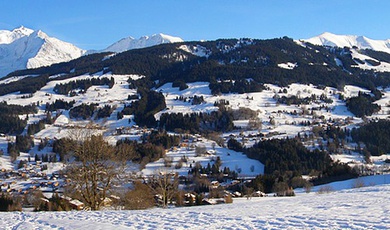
59 104
84 111
296 100
220 121
237 86
82 84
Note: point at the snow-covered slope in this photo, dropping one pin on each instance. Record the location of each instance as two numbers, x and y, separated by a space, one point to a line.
145 41
361 42
362 208
24 48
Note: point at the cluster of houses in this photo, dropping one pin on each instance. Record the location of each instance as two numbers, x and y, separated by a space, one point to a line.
29 178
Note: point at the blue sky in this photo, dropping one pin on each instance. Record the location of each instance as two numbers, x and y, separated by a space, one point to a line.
95 24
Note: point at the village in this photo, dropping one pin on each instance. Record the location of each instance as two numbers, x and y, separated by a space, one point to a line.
35 175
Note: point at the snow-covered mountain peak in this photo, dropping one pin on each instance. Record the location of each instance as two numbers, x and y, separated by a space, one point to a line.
361 42
40 34
23 31
144 41
24 48
7 37
167 38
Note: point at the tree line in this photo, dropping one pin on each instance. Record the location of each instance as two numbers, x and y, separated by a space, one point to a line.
66 88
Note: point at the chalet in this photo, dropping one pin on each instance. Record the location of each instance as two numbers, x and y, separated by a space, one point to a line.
189 198
107 202
237 194
259 194
214 184
44 200
210 152
76 204
213 201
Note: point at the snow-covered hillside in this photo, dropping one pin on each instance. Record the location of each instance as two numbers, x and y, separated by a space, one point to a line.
130 43
361 42
278 120
362 208
24 48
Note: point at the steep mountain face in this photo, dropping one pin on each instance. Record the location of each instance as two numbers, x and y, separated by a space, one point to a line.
361 42
130 43
24 48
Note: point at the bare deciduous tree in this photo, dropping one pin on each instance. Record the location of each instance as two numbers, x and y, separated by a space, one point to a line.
255 123
165 186
141 197
96 167
200 150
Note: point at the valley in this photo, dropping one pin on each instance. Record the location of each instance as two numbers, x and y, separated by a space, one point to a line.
218 119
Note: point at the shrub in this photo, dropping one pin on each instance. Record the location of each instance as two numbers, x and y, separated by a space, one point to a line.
358 183
179 165
168 161
9 203
308 186
325 189
140 197
228 199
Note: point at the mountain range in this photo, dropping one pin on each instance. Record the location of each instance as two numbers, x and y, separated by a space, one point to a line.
24 48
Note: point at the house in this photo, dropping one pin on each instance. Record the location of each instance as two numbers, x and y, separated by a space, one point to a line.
189 198
259 194
213 201
210 152
214 184
237 194
107 202
76 204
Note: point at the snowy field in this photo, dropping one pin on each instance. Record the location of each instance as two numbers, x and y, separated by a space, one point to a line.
361 208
